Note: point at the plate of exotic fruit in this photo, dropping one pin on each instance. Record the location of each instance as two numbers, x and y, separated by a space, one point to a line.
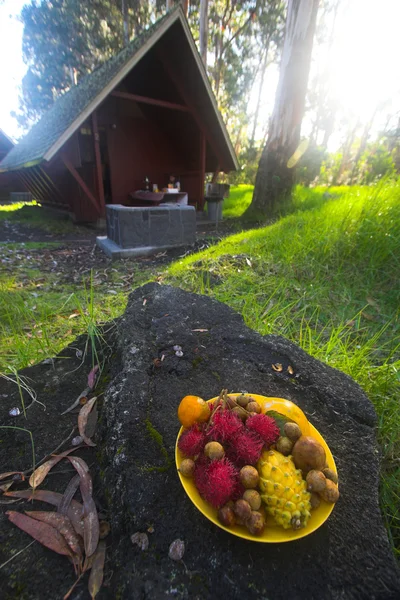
255 466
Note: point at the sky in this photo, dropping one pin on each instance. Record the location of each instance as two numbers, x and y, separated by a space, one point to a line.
363 65
12 67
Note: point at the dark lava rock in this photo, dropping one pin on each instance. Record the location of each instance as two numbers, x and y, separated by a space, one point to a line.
348 558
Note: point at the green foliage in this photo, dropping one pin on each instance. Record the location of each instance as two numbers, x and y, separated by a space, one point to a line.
63 40
310 164
378 162
249 157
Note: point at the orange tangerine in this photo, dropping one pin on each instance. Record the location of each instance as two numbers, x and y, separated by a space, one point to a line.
193 409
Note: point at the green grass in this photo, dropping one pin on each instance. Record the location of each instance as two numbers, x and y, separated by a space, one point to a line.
325 276
34 215
239 199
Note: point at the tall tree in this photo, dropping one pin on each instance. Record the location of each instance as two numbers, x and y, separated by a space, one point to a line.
275 177
203 28
63 40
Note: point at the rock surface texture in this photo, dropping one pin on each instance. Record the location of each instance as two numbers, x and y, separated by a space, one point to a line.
348 558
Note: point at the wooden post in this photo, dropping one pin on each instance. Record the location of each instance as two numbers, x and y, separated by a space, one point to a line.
99 171
80 182
200 205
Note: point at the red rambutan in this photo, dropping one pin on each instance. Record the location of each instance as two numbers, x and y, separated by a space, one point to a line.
265 427
226 425
216 480
247 449
192 441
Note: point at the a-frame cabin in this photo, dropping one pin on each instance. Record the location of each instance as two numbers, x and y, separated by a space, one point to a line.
148 111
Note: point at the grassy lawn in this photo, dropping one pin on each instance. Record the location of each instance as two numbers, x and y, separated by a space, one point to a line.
325 276
239 199
33 215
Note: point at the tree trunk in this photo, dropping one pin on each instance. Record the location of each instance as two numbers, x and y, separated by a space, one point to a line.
185 7
125 19
260 89
274 179
362 147
203 30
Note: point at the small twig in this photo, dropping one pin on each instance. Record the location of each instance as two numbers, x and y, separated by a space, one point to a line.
48 455
15 555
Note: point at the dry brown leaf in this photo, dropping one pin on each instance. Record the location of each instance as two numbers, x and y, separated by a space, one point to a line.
42 532
83 419
40 473
63 525
97 571
10 474
368 316
91 529
6 486
92 377
290 370
373 302
277 367
68 495
75 510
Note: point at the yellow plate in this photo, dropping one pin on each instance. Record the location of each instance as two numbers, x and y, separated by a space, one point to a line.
273 534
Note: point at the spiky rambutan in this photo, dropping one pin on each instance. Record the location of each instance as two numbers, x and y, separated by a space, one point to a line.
265 427
226 425
247 449
192 441
216 480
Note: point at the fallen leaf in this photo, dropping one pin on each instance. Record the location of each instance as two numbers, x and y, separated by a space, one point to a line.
10 474
92 377
68 495
40 473
97 571
367 316
92 422
6 486
63 525
91 530
75 510
277 367
43 533
290 370
83 419
373 302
